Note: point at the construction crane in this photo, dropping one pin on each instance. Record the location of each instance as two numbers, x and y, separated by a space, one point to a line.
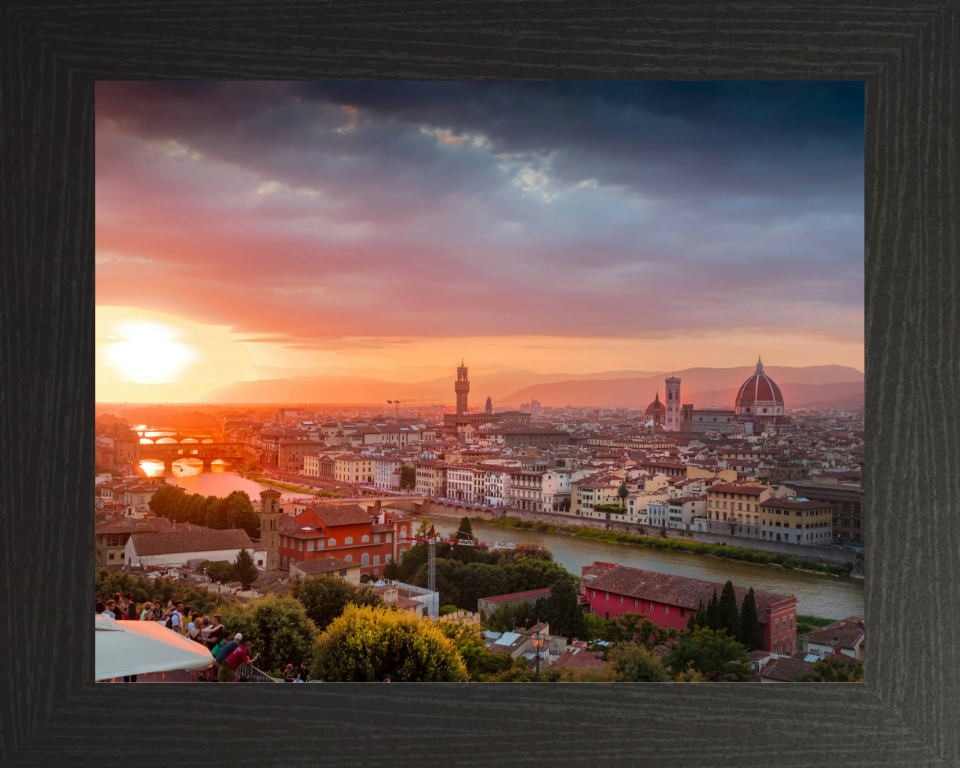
454 541
396 407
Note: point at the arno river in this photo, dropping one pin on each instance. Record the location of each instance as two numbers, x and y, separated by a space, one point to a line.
826 596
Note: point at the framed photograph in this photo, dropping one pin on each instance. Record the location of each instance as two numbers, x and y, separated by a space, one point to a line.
593 363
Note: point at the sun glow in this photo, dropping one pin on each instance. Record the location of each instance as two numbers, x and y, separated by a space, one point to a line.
148 352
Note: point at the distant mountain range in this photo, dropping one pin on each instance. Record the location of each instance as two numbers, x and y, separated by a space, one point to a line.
354 389
704 387
823 385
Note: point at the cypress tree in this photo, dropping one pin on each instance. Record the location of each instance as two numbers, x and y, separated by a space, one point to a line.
701 619
729 616
750 623
692 621
713 614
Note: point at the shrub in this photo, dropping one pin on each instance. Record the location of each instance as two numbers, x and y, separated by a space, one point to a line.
279 627
369 644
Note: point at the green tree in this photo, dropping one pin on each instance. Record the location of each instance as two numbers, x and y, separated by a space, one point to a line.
729 615
423 532
750 634
166 501
562 609
369 644
701 616
236 511
833 669
279 628
623 492
714 620
465 531
636 664
508 618
244 569
324 598
714 655
408 477
218 570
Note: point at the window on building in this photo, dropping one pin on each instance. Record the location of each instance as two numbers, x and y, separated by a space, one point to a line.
348 540
284 561
606 596
310 546
365 559
348 558
331 542
666 609
681 613
776 627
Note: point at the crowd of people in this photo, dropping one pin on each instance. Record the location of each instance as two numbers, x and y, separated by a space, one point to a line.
227 654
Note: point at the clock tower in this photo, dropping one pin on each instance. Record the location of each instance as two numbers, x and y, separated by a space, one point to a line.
462 387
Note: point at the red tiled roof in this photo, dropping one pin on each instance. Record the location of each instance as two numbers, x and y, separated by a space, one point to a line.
785 669
341 514
581 659
195 539
847 632
675 590
324 565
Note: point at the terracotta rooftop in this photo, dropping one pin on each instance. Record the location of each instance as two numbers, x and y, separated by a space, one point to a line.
195 539
579 658
847 633
324 565
341 514
674 590
786 670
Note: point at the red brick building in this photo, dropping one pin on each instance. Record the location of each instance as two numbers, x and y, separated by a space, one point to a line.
345 532
668 601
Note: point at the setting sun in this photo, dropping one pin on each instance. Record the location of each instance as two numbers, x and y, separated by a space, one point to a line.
148 352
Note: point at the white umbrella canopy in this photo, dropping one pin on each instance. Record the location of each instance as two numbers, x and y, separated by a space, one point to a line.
139 647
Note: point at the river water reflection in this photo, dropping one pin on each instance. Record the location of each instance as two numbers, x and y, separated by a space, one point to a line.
220 481
826 596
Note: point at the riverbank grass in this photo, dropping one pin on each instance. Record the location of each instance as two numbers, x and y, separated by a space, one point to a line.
697 548
263 480
807 623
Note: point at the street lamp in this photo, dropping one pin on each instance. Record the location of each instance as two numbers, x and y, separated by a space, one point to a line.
538 640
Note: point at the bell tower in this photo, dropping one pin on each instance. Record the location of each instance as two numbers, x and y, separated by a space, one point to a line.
462 387
672 421
270 526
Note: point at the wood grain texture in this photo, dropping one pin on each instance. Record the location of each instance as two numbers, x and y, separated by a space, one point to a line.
907 713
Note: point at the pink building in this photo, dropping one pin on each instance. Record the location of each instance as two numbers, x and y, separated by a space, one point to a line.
668 601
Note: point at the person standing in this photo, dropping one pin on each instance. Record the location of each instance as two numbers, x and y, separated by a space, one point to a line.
132 614
240 656
111 610
289 674
225 652
175 618
147 613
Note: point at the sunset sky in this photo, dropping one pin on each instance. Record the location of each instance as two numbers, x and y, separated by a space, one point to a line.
268 230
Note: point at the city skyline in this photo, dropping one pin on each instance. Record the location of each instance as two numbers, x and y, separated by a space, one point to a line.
269 230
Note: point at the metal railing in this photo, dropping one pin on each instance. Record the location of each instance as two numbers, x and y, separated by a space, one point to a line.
247 673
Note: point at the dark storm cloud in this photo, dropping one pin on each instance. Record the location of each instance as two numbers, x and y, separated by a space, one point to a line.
609 200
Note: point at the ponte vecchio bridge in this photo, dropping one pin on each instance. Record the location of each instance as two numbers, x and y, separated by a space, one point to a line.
184 444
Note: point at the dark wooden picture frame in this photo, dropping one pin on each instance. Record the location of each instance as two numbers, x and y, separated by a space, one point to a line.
908 710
